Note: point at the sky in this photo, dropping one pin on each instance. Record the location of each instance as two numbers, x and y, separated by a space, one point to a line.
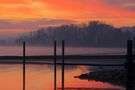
19 16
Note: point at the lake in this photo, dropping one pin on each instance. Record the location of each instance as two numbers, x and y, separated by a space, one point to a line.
17 50
40 77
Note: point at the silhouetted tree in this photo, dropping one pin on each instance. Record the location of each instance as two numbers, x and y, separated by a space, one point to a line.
93 33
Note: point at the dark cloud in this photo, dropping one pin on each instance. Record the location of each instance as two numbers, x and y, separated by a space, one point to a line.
124 4
31 24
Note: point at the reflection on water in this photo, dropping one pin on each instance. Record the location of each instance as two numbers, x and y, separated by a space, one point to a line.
40 77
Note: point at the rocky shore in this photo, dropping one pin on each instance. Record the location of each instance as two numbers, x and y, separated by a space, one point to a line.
115 77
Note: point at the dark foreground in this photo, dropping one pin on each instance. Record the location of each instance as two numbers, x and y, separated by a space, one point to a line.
115 77
78 59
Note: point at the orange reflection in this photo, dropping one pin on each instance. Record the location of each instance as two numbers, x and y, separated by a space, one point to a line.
40 77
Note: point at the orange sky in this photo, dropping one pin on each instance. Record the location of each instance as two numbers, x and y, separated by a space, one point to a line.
68 9
116 12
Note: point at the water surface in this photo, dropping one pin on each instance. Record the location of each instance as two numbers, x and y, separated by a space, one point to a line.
40 77
17 50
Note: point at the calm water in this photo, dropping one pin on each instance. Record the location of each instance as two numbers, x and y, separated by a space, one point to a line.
40 77
17 50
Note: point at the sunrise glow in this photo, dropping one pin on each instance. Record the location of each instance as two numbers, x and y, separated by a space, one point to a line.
28 15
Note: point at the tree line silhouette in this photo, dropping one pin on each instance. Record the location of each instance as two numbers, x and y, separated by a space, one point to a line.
91 34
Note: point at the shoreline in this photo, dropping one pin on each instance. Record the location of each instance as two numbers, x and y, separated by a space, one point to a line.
70 60
114 76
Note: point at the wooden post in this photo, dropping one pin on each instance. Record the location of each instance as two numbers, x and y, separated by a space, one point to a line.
129 66
55 67
24 65
63 54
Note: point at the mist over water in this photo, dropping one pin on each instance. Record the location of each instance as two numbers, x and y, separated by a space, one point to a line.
17 50
40 77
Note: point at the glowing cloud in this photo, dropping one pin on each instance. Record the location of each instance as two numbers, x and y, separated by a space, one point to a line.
116 12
